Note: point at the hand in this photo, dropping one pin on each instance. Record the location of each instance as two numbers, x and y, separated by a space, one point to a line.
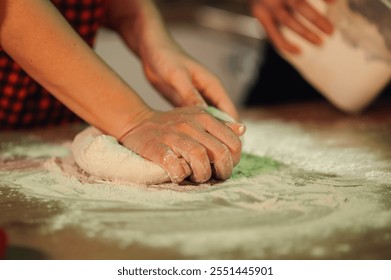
186 142
274 13
180 79
184 82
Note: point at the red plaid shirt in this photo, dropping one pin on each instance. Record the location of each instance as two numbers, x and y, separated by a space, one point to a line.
23 102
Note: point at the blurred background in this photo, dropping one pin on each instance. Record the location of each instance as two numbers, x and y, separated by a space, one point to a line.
351 71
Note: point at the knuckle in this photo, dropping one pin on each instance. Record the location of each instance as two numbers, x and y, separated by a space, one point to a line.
235 143
222 153
204 117
236 146
198 151
176 76
182 126
168 157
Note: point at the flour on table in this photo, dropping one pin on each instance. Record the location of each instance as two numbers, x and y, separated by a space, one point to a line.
306 196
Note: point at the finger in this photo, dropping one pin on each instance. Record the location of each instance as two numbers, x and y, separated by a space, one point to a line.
224 135
181 81
288 20
273 32
238 128
168 93
166 158
213 91
193 152
315 17
218 154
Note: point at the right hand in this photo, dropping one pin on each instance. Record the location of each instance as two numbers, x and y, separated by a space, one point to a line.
187 142
274 13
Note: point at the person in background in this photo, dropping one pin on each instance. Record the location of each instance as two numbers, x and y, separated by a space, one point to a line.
49 75
278 81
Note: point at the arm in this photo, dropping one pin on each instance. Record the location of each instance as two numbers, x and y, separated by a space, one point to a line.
36 36
170 70
273 13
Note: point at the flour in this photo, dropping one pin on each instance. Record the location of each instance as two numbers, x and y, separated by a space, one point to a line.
34 149
356 51
302 193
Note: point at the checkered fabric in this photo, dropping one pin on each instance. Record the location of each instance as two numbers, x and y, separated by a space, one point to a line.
23 102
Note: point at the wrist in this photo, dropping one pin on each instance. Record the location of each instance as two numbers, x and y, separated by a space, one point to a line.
145 30
134 121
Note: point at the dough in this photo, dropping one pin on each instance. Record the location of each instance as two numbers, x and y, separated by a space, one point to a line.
103 157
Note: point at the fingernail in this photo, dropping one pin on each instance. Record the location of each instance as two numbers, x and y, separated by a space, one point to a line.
237 127
242 129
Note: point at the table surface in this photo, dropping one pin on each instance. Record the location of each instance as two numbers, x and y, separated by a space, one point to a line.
317 230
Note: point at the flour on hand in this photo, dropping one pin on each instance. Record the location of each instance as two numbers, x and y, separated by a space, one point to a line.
103 157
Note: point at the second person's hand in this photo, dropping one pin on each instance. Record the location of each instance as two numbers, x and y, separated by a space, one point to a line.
275 13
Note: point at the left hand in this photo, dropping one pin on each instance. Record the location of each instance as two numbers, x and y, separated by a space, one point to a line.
183 81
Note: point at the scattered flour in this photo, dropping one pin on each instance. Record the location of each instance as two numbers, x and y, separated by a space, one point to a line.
309 192
33 150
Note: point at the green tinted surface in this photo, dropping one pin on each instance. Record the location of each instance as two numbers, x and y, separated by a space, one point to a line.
251 165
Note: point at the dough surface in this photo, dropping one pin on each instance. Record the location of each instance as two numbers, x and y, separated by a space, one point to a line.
103 157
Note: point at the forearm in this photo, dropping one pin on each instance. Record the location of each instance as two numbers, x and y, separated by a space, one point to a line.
36 36
139 23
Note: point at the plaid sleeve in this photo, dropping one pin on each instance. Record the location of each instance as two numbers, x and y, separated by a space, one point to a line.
23 102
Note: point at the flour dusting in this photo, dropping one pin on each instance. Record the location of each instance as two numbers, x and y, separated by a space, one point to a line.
295 190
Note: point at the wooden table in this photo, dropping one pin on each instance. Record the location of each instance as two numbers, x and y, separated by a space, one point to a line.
25 218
